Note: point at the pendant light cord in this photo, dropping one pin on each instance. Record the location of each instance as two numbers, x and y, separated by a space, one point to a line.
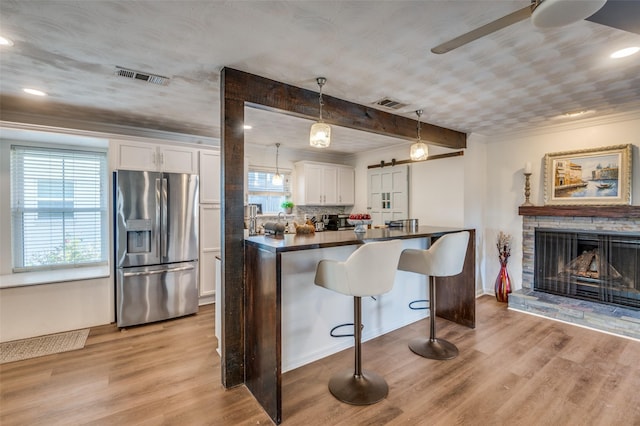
419 113
321 81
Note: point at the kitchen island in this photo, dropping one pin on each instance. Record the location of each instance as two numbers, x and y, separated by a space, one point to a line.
287 319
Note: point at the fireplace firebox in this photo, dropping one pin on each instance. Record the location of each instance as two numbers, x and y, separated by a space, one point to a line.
596 266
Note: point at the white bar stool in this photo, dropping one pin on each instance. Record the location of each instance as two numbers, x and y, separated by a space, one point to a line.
444 258
369 271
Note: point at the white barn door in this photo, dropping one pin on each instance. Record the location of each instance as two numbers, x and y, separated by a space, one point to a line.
388 193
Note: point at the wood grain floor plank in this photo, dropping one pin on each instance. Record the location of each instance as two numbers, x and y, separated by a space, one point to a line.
513 369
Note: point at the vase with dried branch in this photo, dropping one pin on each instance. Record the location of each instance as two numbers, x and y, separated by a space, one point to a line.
503 281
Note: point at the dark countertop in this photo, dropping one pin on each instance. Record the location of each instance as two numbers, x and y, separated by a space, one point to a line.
326 239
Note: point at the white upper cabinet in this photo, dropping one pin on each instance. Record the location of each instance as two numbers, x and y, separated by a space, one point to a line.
346 186
152 157
321 184
178 160
210 176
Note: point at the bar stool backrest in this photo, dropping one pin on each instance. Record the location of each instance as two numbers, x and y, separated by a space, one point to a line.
444 258
368 271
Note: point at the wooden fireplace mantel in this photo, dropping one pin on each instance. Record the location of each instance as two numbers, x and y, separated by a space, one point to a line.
581 211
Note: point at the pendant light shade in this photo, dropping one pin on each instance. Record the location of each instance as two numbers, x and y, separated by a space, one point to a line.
419 149
320 134
277 178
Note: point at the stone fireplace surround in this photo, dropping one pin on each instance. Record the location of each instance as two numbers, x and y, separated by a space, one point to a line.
608 318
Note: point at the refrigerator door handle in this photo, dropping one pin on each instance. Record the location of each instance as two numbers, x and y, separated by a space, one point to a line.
157 228
163 219
158 271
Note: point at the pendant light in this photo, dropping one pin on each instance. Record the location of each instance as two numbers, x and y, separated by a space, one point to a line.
277 178
320 135
419 149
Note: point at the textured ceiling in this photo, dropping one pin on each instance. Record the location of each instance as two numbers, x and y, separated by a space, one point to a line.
519 78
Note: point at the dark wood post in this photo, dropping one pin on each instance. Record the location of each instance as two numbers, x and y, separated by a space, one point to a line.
232 182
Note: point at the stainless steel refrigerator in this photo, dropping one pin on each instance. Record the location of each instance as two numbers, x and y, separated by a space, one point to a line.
156 246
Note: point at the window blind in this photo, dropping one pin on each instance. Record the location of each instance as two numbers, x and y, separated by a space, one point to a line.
58 207
262 191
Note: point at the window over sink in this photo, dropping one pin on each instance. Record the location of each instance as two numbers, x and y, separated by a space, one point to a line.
263 192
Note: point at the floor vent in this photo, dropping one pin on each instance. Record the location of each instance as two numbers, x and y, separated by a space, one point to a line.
142 76
390 103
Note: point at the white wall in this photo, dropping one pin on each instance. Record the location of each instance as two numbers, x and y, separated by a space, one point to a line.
51 308
265 156
36 310
57 304
445 192
481 189
484 188
507 156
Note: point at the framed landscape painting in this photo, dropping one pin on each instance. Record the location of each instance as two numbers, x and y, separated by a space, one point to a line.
597 176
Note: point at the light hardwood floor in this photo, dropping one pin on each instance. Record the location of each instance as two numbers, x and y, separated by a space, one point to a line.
513 369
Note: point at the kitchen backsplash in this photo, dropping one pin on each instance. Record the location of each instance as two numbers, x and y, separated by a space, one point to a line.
299 213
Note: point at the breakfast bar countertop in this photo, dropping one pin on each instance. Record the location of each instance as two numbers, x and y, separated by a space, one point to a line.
326 239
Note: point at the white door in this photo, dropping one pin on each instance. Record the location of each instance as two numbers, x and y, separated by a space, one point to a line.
388 193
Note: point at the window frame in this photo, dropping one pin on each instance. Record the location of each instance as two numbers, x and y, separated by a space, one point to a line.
19 265
285 193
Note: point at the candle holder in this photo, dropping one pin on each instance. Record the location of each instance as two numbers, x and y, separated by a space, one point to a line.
527 190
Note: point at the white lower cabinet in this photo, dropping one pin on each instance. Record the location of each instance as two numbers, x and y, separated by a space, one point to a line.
208 273
209 248
218 308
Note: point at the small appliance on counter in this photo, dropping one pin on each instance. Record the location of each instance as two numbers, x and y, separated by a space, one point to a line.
274 229
338 222
410 224
250 217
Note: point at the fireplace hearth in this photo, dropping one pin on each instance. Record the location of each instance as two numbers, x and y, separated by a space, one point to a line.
586 284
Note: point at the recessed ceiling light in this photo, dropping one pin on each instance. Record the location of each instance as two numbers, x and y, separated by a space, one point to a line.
247 127
34 92
622 53
573 114
576 113
5 42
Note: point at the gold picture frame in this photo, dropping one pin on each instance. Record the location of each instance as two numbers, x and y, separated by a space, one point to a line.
596 176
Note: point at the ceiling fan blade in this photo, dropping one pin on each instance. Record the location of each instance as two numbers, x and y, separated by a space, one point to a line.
484 30
621 14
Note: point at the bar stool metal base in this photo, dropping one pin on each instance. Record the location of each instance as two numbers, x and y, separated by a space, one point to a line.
366 389
433 348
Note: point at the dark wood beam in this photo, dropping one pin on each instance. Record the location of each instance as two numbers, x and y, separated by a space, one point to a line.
232 230
264 93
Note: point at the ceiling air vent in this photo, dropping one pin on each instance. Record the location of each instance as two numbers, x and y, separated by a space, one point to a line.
143 76
390 103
